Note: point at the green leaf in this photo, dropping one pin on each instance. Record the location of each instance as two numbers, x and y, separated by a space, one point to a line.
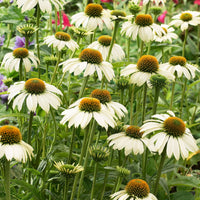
189 181
182 195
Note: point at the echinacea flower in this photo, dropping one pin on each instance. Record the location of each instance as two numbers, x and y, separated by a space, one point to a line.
103 45
145 2
61 40
35 92
106 102
143 26
99 153
20 42
12 60
170 132
136 189
131 140
68 169
84 110
167 36
93 17
185 19
45 6
89 61
197 2
179 66
12 146
146 67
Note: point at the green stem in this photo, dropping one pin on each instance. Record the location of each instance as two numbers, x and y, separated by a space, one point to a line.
194 112
184 42
147 8
106 174
131 104
122 96
91 132
141 48
60 15
144 163
163 155
81 93
37 36
66 187
94 180
83 149
198 41
118 184
20 70
56 67
9 34
71 144
55 130
56 20
47 72
30 126
7 179
183 96
155 102
172 96
149 48
113 40
144 101
26 42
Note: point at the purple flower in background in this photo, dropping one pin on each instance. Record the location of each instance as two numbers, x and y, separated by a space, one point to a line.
2 38
11 1
20 42
3 88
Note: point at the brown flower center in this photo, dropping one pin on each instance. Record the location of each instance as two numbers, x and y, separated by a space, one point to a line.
105 40
35 86
174 126
20 53
91 56
186 17
138 188
103 95
10 135
134 131
144 20
148 63
93 10
90 105
177 60
62 36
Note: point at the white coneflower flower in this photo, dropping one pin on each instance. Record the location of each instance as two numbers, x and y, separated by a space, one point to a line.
12 60
178 66
118 15
93 17
68 169
106 102
171 132
12 145
131 140
89 61
143 26
136 189
185 19
146 67
103 45
84 110
61 40
167 36
34 91
45 5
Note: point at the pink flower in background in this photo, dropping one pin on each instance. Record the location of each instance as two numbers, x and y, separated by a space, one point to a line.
106 1
175 1
161 18
197 2
65 20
